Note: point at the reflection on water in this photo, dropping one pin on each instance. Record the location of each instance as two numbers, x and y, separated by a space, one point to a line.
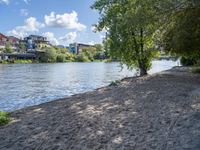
32 84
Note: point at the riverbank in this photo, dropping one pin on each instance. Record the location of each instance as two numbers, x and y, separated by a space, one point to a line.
160 111
20 61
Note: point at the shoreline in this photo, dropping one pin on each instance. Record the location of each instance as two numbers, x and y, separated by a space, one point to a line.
118 82
114 83
159 111
21 61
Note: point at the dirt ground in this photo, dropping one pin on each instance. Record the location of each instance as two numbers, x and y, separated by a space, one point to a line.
157 112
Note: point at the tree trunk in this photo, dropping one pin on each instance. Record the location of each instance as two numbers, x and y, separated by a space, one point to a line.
143 71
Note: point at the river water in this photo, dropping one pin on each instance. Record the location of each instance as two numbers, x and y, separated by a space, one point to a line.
23 85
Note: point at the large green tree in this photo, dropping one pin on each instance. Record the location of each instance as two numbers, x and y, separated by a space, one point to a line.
130 26
181 27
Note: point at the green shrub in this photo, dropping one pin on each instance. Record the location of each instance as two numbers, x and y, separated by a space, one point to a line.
4 62
4 118
82 58
60 58
49 56
70 57
8 48
190 61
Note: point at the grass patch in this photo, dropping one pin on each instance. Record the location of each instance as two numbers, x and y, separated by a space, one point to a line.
196 70
20 61
4 62
4 118
17 61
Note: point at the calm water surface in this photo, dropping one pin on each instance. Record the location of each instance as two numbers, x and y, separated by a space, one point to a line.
23 85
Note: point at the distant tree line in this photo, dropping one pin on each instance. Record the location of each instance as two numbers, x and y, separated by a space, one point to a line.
55 54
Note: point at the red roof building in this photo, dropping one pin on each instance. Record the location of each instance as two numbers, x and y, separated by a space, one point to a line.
13 40
3 38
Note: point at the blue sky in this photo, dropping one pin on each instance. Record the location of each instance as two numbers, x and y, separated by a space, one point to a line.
61 21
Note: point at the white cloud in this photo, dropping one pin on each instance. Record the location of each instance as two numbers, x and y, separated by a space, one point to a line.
26 1
5 1
24 12
51 38
68 21
31 25
91 43
8 1
64 40
68 38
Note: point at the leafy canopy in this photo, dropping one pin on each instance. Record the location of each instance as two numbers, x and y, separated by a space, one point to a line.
130 26
8 48
181 33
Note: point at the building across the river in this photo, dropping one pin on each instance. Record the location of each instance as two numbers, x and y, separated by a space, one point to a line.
14 41
3 40
76 48
11 40
35 41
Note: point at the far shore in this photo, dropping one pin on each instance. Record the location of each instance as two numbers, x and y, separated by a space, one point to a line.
21 61
37 62
160 111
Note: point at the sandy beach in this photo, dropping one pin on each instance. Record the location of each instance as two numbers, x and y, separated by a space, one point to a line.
155 112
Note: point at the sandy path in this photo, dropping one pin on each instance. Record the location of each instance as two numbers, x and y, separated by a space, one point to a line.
159 112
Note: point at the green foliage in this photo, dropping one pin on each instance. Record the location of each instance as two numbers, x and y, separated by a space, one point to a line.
61 50
55 54
8 48
82 58
98 47
4 118
70 57
49 56
20 61
94 53
182 36
61 58
99 55
89 53
22 46
179 31
4 62
106 48
64 50
131 25
190 61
